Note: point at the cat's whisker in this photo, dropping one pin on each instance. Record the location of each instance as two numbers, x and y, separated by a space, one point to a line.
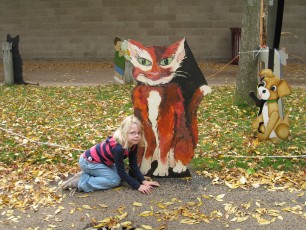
183 72
180 75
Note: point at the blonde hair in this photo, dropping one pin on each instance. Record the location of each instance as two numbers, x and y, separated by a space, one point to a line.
121 133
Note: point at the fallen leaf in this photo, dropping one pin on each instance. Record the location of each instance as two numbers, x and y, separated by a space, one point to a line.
86 207
146 213
137 204
219 197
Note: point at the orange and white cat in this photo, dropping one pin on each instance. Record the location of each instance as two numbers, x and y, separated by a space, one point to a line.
170 87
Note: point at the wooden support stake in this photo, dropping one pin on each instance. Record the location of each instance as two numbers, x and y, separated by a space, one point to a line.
8 63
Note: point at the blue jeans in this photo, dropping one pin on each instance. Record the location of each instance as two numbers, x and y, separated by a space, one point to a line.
97 176
119 70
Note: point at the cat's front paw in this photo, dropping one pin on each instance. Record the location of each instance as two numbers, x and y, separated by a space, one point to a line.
205 89
179 167
161 170
145 166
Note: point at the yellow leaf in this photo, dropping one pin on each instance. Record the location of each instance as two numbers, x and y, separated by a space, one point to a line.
120 209
293 147
148 227
241 219
261 210
301 194
122 216
188 221
230 185
247 205
219 197
84 196
103 222
273 212
137 204
146 213
279 204
262 221
57 211
103 205
288 209
206 196
200 201
126 224
191 203
86 207
176 200
168 203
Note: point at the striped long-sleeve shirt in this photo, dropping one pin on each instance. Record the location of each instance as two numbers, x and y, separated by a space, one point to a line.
110 152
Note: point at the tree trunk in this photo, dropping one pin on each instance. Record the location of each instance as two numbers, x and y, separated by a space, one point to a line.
248 65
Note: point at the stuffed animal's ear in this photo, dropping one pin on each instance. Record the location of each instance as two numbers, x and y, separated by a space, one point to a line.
283 88
266 73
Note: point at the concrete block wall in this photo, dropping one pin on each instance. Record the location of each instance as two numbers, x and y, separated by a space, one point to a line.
85 29
294 29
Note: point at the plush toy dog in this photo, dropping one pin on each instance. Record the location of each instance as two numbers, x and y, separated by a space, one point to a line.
268 122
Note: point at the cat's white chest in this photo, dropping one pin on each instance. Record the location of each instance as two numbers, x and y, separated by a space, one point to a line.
265 113
154 101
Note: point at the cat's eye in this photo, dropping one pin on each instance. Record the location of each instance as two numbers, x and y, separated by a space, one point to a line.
144 61
166 61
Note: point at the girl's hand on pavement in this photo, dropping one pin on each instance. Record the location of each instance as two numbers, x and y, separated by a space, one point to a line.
151 183
145 189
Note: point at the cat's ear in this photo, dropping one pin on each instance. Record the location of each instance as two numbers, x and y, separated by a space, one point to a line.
180 50
135 48
8 37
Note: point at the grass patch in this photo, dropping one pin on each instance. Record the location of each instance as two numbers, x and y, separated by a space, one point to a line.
78 117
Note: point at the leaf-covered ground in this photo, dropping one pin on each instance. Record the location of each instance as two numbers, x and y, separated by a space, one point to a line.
44 129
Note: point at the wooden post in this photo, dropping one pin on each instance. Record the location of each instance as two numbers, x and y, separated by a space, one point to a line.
128 73
274 28
8 63
280 58
261 23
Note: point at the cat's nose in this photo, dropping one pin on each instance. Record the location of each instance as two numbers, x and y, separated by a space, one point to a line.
155 73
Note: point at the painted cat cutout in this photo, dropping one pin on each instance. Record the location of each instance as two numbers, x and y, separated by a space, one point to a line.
17 61
170 87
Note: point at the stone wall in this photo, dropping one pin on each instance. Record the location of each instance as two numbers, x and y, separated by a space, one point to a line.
85 29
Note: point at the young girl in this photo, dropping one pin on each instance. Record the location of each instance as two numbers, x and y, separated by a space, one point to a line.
103 166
